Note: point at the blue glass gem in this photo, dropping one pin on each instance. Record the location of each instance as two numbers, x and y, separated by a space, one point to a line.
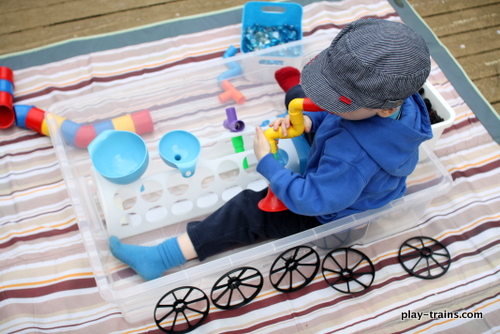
257 37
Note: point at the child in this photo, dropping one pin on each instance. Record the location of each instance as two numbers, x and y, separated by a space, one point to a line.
365 145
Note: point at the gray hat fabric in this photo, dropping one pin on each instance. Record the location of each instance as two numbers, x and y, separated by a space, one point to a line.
371 63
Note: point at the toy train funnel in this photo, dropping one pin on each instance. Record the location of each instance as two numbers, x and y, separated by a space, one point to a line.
180 149
271 203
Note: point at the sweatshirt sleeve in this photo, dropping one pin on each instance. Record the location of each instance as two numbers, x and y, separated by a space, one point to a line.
316 118
334 186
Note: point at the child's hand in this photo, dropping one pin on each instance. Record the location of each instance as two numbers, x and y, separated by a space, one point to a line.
285 124
307 124
261 145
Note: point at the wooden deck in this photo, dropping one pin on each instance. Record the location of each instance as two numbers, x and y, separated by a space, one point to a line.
470 29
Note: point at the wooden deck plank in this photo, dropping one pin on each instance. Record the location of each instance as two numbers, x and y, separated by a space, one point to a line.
51 14
17 7
426 8
481 65
470 30
490 88
111 22
465 20
472 42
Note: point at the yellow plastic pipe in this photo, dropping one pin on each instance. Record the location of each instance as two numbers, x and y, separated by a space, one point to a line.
295 109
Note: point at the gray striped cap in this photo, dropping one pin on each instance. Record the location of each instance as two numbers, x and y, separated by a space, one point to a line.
371 63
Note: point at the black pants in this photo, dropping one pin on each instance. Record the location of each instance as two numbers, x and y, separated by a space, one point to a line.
240 221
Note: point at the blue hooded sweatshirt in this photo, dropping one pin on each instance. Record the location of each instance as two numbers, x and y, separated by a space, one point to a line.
353 166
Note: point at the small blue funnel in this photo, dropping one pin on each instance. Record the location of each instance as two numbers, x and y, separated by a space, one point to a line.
180 149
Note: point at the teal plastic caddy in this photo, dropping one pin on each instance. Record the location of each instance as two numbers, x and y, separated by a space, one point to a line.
270 14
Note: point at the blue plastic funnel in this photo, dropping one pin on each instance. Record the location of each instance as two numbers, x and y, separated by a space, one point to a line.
180 149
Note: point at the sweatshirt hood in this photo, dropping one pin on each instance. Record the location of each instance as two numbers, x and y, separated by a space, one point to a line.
395 149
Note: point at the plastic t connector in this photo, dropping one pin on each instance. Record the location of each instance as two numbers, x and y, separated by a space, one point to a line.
231 93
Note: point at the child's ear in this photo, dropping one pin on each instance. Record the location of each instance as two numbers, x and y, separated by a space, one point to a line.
386 112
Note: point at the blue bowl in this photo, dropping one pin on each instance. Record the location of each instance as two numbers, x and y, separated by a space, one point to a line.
119 156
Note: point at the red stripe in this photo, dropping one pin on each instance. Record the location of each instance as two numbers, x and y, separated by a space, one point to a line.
73 284
47 234
126 75
476 170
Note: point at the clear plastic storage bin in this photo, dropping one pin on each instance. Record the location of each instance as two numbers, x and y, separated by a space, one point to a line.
159 205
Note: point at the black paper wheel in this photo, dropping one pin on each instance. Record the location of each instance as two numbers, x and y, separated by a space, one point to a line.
181 310
424 257
294 269
237 288
348 270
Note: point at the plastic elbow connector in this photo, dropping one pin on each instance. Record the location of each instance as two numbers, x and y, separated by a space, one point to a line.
234 69
232 123
295 111
296 128
230 51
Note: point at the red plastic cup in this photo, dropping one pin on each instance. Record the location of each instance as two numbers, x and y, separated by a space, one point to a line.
84 136
142 121
34 119
7 115
6 74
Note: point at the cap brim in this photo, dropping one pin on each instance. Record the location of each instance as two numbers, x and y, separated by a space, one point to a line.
318 89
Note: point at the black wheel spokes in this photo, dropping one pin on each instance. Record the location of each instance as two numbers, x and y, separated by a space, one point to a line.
424 257
188 311
346 277
247 287
294 269
333 241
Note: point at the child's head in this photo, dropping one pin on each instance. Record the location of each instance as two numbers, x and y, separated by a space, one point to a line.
372 63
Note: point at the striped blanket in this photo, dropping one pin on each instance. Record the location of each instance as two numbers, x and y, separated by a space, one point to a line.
47 283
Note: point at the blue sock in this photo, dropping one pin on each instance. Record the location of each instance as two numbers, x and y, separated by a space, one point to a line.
148 262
